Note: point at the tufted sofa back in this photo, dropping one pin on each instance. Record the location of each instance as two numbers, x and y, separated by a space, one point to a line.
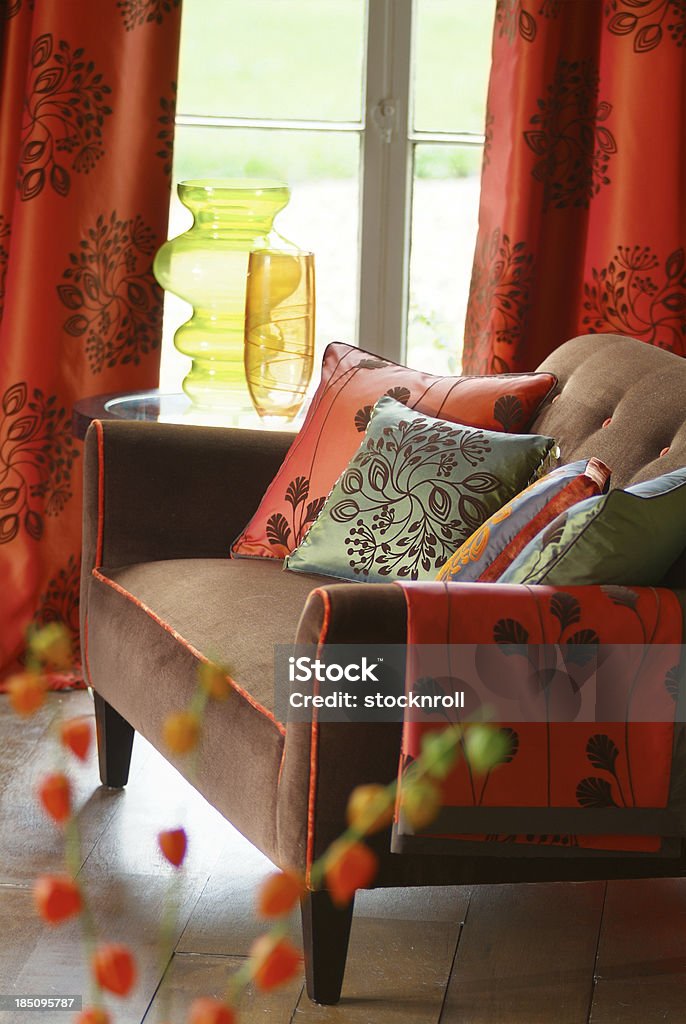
624 402
620 400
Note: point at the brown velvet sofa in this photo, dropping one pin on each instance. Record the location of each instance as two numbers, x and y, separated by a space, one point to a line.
162 503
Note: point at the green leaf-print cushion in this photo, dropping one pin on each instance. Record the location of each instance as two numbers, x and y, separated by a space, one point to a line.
629 537
414 490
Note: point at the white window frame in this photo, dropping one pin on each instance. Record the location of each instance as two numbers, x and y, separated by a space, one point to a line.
387 145
388 162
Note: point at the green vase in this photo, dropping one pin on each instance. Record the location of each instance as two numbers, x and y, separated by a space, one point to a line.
207 266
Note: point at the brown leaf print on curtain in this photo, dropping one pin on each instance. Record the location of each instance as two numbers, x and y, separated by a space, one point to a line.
511 17
60 600
635 295
5 231
573 149
36 458
65 112
488 138
499 299
166 135
115 302
14 6
138 12
646 20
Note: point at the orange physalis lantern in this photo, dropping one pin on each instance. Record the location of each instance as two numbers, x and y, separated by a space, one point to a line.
210 1011
57 897
26 693
54 793
181 731
276 961
421 802
214 681
93 1015
114 968
173 844
370 808
76 735
53 645
349 867
279 893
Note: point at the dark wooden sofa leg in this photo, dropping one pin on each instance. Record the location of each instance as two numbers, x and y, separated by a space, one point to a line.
115 743
326 930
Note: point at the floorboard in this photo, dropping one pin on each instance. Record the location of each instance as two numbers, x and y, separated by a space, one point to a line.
19 743
641 967
224 920
158 797
20 930
190 975
396 973
126 909
30 829
526 955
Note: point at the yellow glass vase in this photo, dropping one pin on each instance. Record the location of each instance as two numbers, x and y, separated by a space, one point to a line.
279 331
208 267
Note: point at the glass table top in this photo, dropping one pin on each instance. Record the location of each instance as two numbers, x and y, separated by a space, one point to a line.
164 407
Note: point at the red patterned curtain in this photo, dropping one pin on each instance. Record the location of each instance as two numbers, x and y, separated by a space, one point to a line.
86 129
582 222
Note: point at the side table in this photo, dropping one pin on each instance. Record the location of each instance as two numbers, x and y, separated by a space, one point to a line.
165 407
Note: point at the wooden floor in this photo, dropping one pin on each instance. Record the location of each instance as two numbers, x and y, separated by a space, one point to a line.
563 953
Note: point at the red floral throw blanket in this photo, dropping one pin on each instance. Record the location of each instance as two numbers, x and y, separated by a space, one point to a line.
594 747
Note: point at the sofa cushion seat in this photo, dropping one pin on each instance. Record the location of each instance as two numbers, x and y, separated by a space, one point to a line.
231 611
161 617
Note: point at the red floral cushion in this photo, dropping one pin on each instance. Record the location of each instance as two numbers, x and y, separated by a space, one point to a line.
352 381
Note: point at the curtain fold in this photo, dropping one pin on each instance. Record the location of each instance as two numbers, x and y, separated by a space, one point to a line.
582 219
87 93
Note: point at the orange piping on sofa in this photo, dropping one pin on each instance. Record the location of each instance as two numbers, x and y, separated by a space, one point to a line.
314 743
101 491
86 666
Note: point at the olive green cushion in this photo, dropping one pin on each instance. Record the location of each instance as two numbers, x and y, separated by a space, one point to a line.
416 488
628 537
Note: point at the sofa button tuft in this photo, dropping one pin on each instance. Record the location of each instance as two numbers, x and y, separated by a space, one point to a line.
607 422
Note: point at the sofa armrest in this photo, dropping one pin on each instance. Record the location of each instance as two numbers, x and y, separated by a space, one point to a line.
322 764
156 491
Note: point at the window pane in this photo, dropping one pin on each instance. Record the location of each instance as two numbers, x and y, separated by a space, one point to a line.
452 58
322 215
445 203
272 58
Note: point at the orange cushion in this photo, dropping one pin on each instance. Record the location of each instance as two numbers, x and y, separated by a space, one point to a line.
352 381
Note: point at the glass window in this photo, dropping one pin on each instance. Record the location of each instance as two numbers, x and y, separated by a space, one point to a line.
445 208
452 54
272 58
